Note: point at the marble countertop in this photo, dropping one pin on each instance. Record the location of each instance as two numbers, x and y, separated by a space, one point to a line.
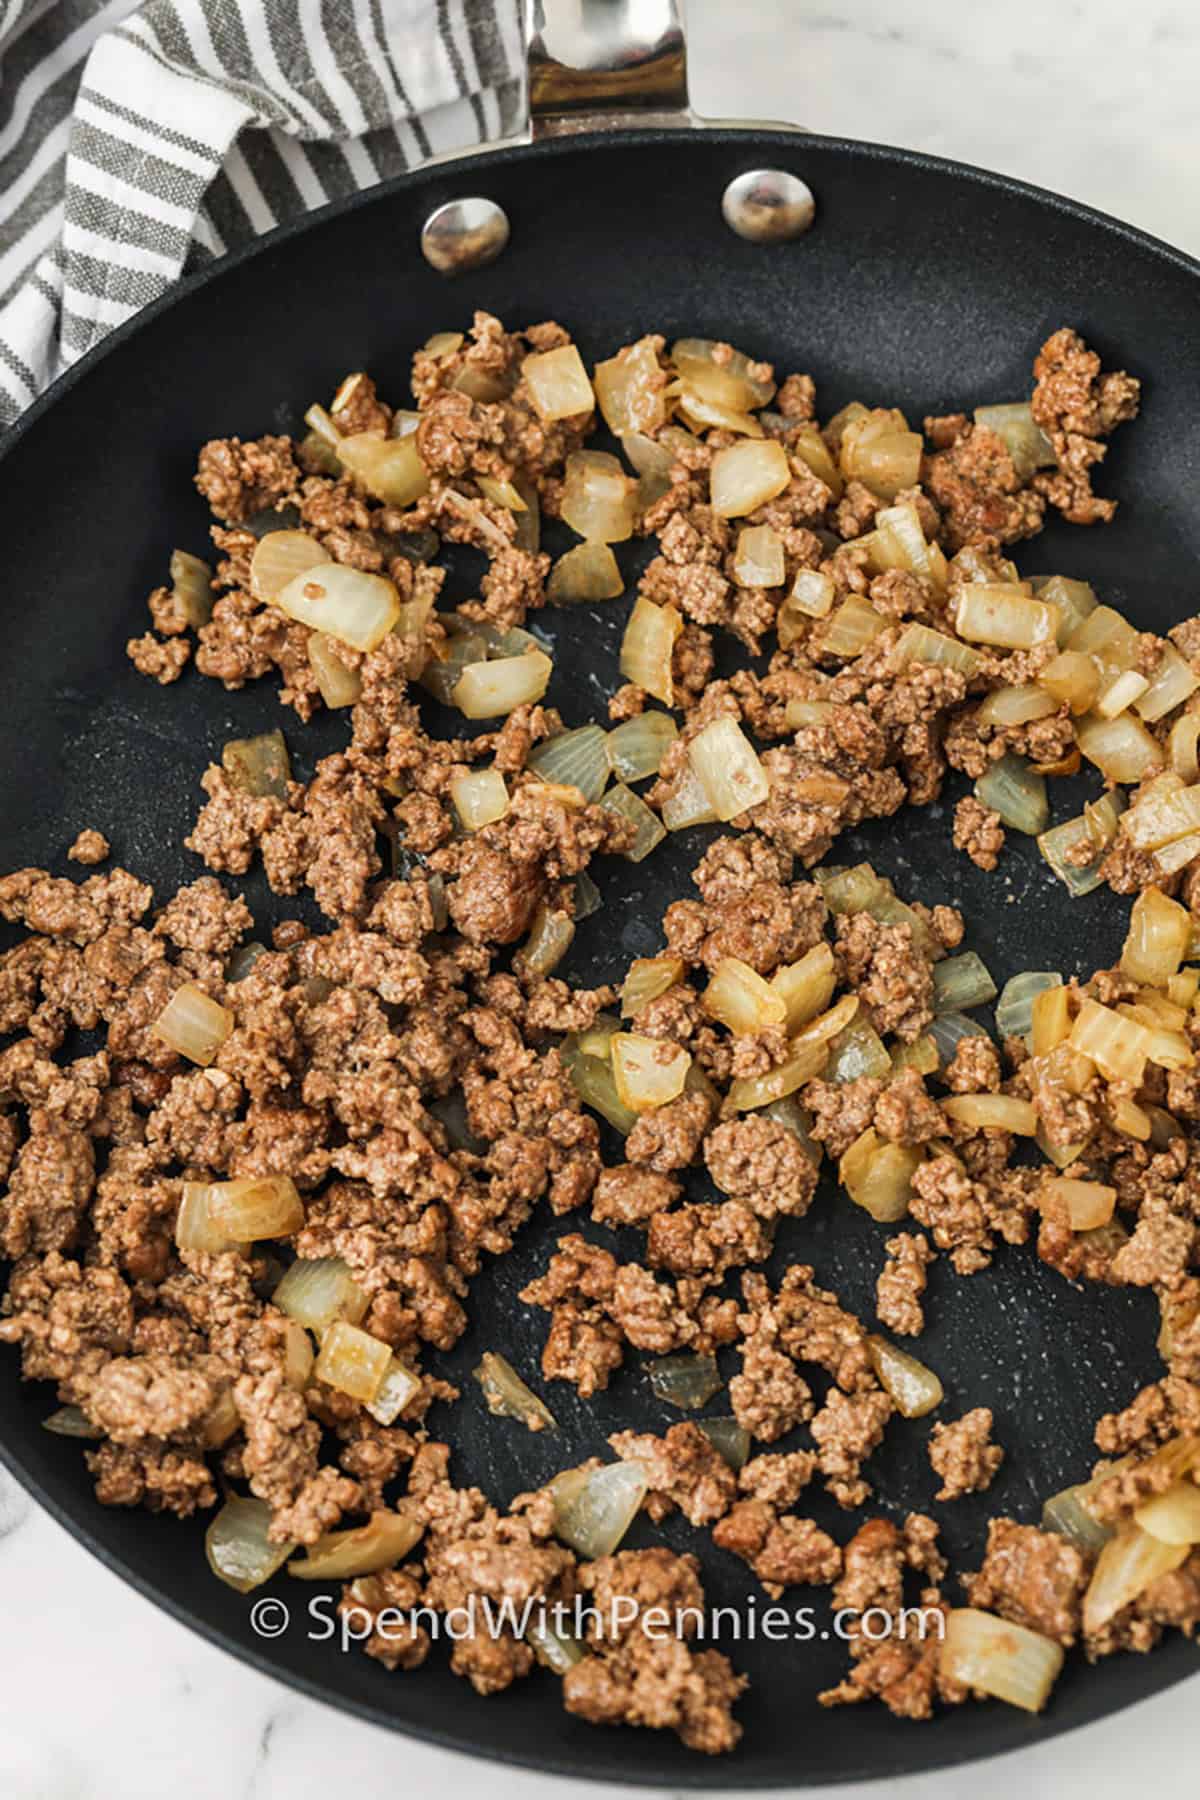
1091 97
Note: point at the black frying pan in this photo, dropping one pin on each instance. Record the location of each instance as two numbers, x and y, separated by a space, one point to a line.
923 284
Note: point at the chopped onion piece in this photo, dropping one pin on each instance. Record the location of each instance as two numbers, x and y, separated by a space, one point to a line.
480 798
1080 1204
999 1658
389 468
298 1355
317 1291
648 978
789 1113
961 982
1015 791
1122 749
920 644
1108 637
898 542
1025 442
806 987
1073 679
597 497
72 1422
636 748
592 1077
1001 616
1127 1565
243 960
750 1092
728 768
877 1175
492 690
629 389
195 1226
1162 814
587 573
191 584
860 889
857 1051
993 1112
550 937
800 714
279 558
742 1000
1118 694
507 1395
594 1510
948 1031
921 1055
256 1206
237 1546
1159 934
258 765
577 759
851 628
728 1439
352 1361
811 598
745 476
558 384
383 1542
914 1389
1074 600
649 830
728 374
1067 1514
339 685
553 1649
885 457
1181 746
829 1025
649 1072
1078 878
1016 705
587 896
348 604
758 558
647 648
685 1379
806 442
443 671
1014 1009
500 493
1118 1046
1172 682
687 804
193 1025
1172 1517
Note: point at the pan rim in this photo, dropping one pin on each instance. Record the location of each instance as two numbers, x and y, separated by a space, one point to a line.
1171 1663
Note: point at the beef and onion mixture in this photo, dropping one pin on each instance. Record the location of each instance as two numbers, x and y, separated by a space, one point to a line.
243 1229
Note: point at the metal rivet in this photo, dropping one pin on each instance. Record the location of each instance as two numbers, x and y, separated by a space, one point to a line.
768 206
464 234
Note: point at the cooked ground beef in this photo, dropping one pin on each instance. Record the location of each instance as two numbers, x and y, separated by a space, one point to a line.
421 1083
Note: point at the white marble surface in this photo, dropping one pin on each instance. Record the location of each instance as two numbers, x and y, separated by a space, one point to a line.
104 1698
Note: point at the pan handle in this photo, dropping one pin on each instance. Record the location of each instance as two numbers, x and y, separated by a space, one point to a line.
607 66
596 65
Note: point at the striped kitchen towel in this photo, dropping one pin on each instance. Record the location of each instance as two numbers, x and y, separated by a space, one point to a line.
140 140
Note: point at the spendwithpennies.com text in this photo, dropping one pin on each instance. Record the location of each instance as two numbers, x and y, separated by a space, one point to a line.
579 1621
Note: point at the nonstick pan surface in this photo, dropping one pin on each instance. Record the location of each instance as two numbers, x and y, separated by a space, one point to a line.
923 285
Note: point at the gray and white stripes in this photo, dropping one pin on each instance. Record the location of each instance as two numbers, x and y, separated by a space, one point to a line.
140 140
